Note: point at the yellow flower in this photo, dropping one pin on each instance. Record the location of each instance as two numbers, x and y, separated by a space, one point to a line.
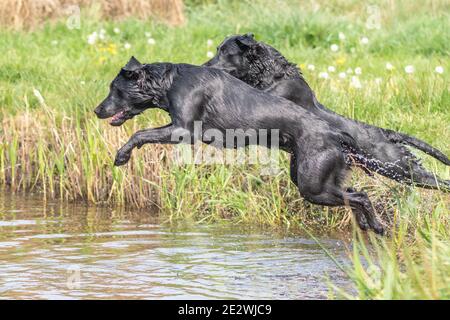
102 60
112 49
340 61
302 66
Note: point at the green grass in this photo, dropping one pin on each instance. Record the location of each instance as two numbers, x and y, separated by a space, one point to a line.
56 145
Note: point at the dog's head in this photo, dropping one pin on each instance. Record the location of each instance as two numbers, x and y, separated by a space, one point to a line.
233 55
136 88
251 61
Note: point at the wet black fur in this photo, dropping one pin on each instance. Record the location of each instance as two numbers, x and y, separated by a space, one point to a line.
264 68
320 153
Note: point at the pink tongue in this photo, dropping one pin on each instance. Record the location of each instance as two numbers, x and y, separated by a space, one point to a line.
117 116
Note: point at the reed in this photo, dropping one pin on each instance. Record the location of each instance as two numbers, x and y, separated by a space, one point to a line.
413 264
31 13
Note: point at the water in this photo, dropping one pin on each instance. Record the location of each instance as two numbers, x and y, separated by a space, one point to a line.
52 250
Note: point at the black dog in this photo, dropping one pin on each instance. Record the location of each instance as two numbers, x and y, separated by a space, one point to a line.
264 68
191 93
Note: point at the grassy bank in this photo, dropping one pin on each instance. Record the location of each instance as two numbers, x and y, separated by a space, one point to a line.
52 78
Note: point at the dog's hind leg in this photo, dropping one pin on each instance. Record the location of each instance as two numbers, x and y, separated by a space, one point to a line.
408 170
416 174
321 173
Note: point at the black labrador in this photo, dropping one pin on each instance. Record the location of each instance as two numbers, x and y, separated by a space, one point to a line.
220 101
266 69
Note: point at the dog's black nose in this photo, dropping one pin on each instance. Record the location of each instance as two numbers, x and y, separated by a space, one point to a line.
98 111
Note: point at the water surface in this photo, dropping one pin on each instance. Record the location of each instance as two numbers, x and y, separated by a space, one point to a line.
60 251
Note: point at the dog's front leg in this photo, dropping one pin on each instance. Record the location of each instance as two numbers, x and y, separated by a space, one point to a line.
169 134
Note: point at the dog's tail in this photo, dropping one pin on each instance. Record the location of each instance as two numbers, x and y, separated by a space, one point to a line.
398 137
407 169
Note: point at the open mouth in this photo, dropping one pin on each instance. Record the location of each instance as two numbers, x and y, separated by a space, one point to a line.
119 118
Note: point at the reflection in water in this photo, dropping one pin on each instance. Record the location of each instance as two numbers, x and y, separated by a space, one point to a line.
58 251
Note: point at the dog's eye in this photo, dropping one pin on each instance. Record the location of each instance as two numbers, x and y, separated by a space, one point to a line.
119 93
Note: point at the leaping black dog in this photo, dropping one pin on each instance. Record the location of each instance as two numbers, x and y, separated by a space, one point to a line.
192 93
266 69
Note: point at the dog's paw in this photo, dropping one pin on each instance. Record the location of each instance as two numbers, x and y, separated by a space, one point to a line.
362 222
378 228
122 158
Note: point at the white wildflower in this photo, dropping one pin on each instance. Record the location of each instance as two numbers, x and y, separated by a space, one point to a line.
378 80
364 40
209 43
342 75
311 67
349 71
92 38
331 69
389 66
355 83
409 69
116 30
210 54
148 34
334 47
127 46
323 75
341 36
358 70
151 41
439 69
102 34
82 82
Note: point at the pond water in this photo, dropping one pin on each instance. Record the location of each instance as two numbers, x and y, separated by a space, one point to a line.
65 251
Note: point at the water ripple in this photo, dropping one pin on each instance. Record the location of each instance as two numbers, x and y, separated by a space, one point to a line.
80 252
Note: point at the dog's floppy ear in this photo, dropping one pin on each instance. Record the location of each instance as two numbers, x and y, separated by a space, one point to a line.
131 67
259 49
246 41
